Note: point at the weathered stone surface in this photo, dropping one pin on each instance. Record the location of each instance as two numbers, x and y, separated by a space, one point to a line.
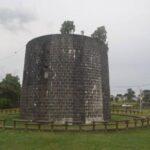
66 78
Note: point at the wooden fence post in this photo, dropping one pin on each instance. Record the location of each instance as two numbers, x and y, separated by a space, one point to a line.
4 123
105 125
80 127
39 126
26 125
127 124
135 123
148 121
117 111
14 124
117 123
66 125
52 126
93 125
142 121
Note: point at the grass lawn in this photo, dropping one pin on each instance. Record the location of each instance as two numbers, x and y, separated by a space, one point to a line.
119 117
123 140
146 112
137 139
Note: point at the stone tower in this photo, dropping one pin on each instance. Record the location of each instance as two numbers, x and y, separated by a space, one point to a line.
66 78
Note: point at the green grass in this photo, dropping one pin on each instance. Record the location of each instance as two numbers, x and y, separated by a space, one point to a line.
119 117
146 112
124 140
136 139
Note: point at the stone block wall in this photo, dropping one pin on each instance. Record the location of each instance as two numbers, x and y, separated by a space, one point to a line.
65 79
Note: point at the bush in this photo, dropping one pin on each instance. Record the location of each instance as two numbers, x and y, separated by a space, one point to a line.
5 103
10 91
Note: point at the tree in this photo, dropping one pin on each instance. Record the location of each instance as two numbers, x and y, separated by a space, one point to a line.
100 34
130 94
67 27
120 97
112 98
146 95
10 90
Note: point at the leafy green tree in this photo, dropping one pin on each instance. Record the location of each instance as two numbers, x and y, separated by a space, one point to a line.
100 34
67 27
5 103
130 94
120 96
10 90
112 97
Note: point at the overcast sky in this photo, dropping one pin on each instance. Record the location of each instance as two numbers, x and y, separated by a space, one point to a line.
127 23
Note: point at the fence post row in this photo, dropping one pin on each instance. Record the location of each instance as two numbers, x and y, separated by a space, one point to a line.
136 121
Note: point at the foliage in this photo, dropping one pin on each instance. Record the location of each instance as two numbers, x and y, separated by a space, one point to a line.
130 94
5 103
119 97
9 90
100 34
112 98
67 27
146 95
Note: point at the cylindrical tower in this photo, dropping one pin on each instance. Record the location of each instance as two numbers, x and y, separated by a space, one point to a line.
65 79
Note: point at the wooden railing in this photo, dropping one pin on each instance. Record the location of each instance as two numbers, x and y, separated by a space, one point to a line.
135 122
69 126
127 111
9 110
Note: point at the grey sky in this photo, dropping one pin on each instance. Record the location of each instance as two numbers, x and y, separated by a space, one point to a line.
14 19
127 23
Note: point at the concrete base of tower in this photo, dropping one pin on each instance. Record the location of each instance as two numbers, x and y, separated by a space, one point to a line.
90 120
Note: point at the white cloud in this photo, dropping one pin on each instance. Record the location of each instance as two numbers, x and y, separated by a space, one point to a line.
15 19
